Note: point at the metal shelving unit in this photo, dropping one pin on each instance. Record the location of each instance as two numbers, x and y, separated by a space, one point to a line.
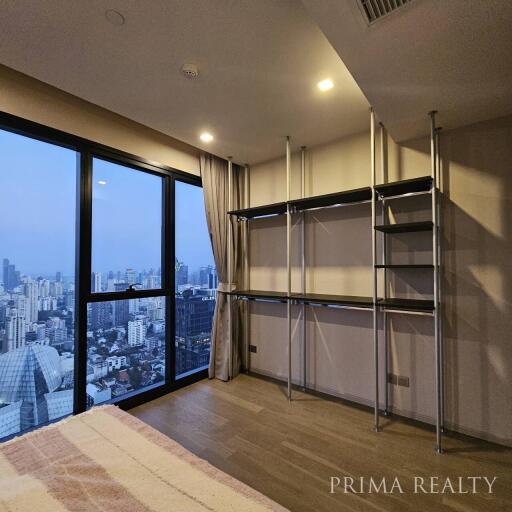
383 194
379 195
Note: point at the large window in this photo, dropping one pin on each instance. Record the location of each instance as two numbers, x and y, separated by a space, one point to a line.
126 337
37 291
126 228
195 282
107 282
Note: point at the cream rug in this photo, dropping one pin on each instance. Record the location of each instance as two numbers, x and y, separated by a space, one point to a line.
107 460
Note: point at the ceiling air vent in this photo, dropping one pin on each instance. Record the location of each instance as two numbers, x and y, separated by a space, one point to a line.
374 10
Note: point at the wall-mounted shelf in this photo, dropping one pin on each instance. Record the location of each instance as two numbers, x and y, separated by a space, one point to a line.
357 195
407 304
305 298
421 185
334 300
345 197
406 227
420 265
261 295
260 211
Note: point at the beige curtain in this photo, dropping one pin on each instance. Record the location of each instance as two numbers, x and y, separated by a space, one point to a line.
214 174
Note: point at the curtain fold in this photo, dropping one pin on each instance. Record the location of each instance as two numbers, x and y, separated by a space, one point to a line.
214 174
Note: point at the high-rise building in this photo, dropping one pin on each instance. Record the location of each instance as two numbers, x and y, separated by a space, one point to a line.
194 316
194 313
58 277
56 289
136 333
204 275
32 303
5 276
131 276
96 284
213 280
100 315
121 312
10 276
151 282
19 302
121 307
181 272
44 287
15 330
69 299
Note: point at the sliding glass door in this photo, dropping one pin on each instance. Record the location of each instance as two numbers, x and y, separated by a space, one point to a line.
37 292
107 285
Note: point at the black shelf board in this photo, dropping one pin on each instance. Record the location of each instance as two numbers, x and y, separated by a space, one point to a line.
426 265
406 227
260 211
336 198
338 300
261 294
397 188
407 304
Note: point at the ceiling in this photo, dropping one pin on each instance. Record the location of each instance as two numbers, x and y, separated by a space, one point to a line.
259 61
454 56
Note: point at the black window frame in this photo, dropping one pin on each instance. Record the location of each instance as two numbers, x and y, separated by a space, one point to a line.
86 150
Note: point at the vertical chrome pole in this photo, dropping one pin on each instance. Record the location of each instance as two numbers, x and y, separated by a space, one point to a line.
230 268
439 272
247 283
374 258
383 162
433 156
289 264
303 267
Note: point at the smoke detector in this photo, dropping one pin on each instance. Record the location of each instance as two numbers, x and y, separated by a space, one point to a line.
190 70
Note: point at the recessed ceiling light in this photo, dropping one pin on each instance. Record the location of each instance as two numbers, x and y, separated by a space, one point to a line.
114 17
206 137
325 85
102 182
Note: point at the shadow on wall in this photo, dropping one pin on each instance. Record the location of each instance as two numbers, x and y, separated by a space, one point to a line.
477 274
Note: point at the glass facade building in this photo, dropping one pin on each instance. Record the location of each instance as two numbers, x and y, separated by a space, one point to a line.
29 376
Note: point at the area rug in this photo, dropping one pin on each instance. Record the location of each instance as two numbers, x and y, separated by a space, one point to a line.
107 460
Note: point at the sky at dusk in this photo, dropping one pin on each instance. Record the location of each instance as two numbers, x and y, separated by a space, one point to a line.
37 213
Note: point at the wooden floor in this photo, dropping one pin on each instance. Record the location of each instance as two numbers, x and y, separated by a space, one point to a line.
289 451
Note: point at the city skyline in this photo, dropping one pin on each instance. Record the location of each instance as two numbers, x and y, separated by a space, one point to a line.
126 343
192 273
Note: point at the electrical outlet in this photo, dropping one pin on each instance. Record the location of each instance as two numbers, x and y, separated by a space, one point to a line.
253 349
403 381
392 378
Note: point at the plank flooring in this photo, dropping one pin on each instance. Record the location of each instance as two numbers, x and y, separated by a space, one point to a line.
289 451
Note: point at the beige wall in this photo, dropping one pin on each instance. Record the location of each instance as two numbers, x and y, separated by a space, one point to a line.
477 237
36 101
